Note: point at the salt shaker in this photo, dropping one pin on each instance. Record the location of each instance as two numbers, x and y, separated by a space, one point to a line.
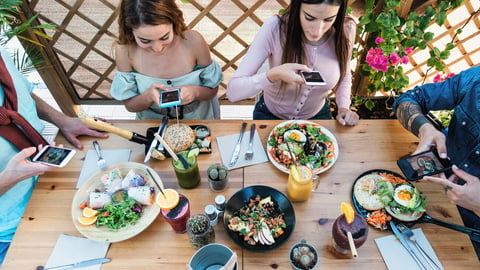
212 214
220 204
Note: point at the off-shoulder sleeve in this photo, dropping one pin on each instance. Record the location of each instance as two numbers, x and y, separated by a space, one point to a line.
211 75
124 86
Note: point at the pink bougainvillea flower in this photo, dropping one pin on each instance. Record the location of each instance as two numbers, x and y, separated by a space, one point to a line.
394 58
450 75
437 78
380 63
404 60
409 50
379 40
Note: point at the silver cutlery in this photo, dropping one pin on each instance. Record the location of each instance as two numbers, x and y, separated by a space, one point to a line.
406 245
249 153
411 236
101 162
161 131
236 151
77 264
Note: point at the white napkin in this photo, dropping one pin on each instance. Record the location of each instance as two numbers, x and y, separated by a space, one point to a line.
226 146
397 257
90 163
72 249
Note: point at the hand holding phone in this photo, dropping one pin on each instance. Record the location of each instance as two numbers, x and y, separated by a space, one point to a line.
170 98
417 166
54 156
312 78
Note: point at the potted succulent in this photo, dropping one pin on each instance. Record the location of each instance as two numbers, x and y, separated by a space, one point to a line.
217 176
303 256
200 232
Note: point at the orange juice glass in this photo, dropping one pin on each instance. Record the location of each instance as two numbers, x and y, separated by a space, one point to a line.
300 184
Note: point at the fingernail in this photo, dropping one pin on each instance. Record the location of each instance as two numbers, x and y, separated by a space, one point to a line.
443 155
454 166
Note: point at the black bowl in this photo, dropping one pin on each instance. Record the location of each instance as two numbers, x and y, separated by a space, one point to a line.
240 199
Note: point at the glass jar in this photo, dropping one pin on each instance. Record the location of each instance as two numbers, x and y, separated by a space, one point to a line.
200 231
300 187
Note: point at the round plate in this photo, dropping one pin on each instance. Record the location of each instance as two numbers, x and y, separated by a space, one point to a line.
364 212
240 199
104 234
333 144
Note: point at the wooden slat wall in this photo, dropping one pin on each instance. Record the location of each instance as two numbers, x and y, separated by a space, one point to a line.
80 54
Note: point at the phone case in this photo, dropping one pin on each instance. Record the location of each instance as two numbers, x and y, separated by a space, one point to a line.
423 164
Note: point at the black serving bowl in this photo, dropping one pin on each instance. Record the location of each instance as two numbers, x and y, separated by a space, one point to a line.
241 198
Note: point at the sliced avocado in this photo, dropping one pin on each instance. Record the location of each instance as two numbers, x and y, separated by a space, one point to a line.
415 198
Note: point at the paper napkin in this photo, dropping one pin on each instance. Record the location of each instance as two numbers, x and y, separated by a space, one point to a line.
397 257
90 165
226 146
72 249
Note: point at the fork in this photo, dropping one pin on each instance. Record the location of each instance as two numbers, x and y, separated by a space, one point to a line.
411 236
249 153
101 162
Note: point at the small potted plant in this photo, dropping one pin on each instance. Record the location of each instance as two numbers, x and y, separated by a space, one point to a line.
303 256
200 232
217 177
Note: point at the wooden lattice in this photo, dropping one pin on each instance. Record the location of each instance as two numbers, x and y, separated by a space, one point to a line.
80 54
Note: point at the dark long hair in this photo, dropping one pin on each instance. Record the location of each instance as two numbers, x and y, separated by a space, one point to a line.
133 13
292 34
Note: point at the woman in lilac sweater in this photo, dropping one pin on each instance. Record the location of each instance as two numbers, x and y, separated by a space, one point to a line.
310 35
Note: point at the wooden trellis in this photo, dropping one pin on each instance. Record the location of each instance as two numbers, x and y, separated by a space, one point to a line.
80 65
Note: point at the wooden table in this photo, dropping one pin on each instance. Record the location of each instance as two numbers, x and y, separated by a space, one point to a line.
372 144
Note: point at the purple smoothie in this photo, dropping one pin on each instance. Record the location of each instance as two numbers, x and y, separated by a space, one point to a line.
177 217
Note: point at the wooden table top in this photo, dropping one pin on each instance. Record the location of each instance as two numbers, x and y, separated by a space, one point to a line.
372 144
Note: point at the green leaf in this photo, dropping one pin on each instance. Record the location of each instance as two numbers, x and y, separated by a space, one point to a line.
369 104
428 36
440 18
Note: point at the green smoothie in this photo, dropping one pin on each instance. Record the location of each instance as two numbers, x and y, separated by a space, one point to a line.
189 177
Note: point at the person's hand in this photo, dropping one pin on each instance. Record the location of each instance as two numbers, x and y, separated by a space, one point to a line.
288 73
21 168
187 94
347 117
430 136
464 195
152 94
72 128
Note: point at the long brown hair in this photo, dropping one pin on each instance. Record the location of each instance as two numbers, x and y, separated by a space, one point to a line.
292 34
134 13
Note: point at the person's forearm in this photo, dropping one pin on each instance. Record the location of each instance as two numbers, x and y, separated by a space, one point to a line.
411 117
7 181
48 113
203 92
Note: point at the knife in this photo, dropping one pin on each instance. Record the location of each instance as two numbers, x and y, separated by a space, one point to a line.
236 151
406 245
161 129
77 264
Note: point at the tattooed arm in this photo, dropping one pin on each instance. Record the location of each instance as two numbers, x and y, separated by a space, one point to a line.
412 118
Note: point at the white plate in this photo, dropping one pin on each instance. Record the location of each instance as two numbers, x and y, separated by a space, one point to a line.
104 234
325 131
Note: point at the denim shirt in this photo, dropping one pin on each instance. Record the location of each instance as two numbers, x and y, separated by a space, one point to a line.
462 94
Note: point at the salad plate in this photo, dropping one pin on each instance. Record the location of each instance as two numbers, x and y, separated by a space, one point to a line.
241 200
313 145
95 184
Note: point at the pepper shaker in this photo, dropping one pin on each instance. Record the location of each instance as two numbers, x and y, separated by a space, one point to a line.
212 214
220 204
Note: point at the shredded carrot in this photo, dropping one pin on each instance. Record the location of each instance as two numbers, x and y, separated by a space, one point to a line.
378 219
392 178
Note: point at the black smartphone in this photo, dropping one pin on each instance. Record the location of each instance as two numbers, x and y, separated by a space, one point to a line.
54 156
313 78
426 163
170 98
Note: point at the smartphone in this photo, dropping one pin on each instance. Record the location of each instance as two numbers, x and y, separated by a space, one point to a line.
313 78
54 156
170 98
425 163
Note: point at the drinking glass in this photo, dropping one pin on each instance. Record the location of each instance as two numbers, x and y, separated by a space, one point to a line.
189 177
177 217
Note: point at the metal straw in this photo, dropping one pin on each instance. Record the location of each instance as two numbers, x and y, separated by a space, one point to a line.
156 183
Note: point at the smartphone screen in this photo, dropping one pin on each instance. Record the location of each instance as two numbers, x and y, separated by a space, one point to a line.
54 156
170 98
313 78
425 163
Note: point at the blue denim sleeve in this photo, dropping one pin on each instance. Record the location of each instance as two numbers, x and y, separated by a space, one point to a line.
439 96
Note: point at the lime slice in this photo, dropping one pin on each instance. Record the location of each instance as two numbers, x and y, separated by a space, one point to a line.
193 153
